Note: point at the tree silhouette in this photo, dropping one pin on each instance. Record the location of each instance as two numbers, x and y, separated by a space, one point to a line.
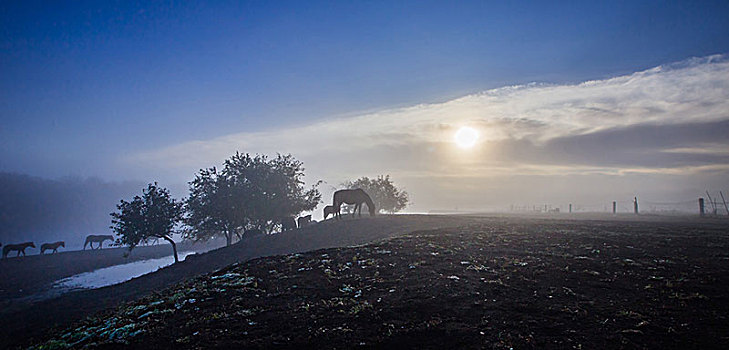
250 192
384 193
153 215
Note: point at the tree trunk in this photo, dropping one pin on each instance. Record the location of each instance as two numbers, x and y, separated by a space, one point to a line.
174 247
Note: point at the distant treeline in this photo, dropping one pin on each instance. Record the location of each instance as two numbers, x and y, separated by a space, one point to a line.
37 209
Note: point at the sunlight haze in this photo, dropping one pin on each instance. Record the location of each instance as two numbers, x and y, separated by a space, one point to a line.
155 93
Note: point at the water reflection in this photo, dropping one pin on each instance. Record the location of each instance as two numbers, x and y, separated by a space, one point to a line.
115 274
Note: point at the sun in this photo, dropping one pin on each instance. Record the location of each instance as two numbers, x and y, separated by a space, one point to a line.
466 137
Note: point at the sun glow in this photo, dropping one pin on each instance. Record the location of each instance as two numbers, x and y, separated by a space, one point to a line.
466 137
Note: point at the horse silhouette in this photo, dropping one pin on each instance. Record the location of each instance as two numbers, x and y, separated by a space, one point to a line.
288 223
357 197
329 210
304 221
252 232
151 241
91 239
52 246
20 248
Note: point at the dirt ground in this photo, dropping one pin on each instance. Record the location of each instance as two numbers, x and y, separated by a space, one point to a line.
32 320
492 282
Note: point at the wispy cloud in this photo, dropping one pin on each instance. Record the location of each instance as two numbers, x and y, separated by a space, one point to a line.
669 119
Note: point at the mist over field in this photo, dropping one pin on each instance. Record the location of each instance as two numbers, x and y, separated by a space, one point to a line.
658 134
43 210
343 174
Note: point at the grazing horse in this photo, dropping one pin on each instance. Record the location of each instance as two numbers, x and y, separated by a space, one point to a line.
18 247
151 241
288 223
252 232
304 221
91 239
52 246
329 210
357 197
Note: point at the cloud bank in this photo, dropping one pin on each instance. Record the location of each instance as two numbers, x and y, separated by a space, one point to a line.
670 123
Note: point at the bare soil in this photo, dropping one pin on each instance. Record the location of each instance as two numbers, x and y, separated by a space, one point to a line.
492 282
19 322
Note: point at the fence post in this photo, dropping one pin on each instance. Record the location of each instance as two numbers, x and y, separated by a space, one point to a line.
570 208
615 207
701 206
635 205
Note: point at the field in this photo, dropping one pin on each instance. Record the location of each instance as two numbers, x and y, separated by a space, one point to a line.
21 320
467 282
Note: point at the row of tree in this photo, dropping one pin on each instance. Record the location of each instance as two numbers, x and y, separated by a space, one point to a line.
249 192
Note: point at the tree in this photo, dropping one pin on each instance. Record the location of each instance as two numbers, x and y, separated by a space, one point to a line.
211 209
249 192
153 215
384 193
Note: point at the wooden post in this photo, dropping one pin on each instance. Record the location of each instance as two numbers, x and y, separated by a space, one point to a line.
615 207
701 206
570 208
635 205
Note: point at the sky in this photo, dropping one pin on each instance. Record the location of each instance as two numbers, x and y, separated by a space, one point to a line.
575 102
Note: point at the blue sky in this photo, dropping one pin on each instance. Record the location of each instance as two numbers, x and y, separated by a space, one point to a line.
86 86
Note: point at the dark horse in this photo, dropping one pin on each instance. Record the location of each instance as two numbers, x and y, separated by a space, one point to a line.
52 246
91 239
18 247
288 223
304 221
357 197
329 210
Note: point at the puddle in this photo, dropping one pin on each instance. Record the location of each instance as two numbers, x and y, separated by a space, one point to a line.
115 274
104 277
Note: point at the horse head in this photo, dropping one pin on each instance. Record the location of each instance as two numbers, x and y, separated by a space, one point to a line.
32 245
63 244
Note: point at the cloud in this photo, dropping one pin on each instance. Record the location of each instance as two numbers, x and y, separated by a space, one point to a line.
671 119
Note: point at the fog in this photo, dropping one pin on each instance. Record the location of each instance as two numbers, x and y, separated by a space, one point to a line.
45 210
658 134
